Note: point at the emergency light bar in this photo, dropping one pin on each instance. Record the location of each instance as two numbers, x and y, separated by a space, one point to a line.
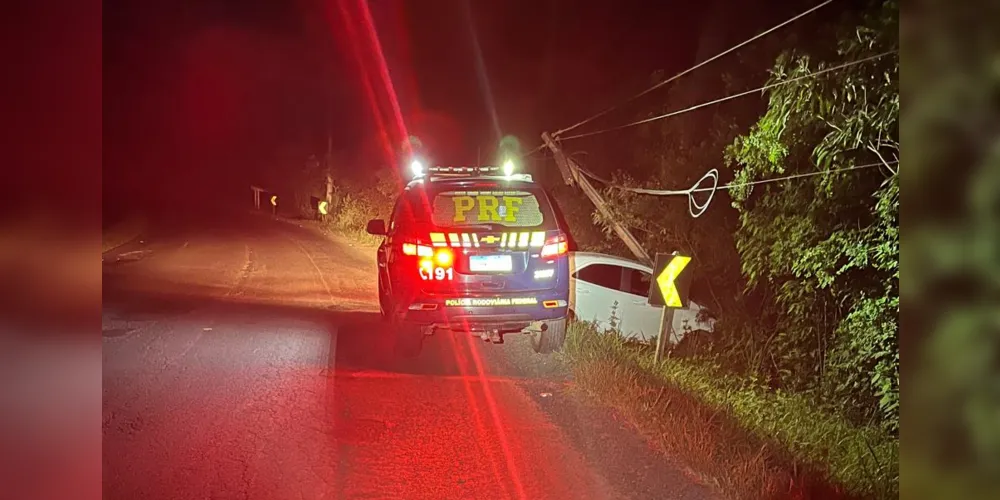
483 171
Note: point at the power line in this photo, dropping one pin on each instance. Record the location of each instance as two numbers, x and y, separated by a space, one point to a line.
731 97
533 151
697 209
682 73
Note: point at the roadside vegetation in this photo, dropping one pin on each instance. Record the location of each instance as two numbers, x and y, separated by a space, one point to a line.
356 202
735 434
798 386
357 197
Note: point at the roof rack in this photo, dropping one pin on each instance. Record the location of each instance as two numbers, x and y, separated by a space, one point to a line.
488 171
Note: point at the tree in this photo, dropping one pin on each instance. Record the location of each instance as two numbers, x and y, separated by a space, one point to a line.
828 245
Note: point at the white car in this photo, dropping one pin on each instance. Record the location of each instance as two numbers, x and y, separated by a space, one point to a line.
598 281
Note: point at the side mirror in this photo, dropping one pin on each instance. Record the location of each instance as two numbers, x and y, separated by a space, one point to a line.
376 227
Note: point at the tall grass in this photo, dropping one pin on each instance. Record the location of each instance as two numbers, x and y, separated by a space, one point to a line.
744 439
374 199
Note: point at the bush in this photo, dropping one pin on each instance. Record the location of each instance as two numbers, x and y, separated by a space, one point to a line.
367 199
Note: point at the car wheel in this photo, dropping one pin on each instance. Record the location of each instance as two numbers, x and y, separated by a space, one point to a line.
552 339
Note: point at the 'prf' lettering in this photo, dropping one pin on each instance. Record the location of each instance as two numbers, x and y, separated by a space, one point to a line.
513 204
462 204
488 208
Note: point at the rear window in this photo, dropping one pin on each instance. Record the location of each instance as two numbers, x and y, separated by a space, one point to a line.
497 207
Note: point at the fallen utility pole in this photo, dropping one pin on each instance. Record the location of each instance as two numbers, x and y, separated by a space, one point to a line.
570 172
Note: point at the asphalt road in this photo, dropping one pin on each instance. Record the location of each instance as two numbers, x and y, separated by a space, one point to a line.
245 359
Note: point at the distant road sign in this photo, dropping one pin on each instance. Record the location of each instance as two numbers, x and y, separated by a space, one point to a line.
274 200
323 206
670 284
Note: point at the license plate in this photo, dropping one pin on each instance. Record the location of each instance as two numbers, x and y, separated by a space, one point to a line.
490 263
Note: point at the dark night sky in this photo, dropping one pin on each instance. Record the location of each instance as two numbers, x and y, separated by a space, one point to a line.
212 94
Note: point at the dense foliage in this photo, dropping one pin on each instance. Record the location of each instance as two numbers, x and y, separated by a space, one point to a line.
828 245
803 274
951 242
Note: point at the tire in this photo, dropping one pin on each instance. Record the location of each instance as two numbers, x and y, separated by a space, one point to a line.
552 339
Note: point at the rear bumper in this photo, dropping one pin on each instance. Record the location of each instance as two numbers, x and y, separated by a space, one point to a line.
502 312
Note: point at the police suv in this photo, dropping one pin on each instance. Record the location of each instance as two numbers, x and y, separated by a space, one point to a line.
474 249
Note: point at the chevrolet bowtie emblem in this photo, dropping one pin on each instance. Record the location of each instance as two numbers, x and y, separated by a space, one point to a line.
489 239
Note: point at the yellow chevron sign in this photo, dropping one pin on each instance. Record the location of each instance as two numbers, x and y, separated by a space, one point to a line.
670 287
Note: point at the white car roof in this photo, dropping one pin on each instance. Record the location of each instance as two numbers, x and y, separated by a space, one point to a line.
592 257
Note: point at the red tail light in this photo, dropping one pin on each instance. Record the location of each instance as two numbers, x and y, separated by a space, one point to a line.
555 247
418 250
432 264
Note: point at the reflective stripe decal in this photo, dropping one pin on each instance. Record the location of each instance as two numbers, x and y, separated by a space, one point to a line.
538 239
535 239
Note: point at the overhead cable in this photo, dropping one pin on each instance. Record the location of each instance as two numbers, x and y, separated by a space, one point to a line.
697 209
731 97
706 61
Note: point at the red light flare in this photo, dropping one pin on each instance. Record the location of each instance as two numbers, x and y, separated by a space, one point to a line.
409 83
491 403
474 407
390 90
388 150
367 51
494 412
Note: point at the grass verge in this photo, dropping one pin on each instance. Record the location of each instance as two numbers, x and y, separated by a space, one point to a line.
746 441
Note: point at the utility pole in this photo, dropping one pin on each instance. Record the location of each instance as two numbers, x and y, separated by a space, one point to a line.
329 173
571 175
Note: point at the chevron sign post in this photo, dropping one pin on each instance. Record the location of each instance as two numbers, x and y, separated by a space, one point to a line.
669 289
